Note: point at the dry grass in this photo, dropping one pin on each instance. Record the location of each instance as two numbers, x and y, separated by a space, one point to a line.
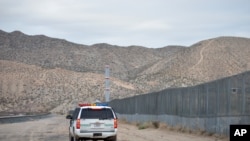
163 126
123 120
145 125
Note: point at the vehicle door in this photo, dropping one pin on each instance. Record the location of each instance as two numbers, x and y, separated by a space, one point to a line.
73 121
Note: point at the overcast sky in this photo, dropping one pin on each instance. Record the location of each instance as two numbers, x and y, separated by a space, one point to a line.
149 23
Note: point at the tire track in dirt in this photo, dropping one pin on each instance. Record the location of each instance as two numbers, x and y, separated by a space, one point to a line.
201 54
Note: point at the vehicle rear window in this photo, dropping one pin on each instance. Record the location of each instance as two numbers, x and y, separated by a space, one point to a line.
76 112
103 113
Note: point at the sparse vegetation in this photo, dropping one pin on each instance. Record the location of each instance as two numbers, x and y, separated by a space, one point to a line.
142 125
156 124
145 125
163 126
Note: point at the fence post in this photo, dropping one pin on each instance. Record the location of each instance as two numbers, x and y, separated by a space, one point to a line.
228 97
217 107
206 99
217 98
190 101
136 105
243 94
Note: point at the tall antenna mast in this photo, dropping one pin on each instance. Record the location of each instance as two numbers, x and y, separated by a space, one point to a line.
107 88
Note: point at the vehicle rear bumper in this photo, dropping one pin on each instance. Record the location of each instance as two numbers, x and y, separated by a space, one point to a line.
95 135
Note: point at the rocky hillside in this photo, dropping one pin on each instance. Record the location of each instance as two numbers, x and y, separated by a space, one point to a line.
42 73
30 88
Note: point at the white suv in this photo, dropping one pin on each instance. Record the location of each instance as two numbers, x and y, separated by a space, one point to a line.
93 122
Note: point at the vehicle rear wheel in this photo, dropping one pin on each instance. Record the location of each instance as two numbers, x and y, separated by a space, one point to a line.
115 139
71 138
75 139
112 139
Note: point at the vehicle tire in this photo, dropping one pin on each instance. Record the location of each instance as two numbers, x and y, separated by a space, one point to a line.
75 139
113 139
71 138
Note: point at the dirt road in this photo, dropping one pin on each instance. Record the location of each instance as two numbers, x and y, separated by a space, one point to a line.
49 129
55 128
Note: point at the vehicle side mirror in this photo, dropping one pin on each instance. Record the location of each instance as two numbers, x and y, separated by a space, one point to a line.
69 117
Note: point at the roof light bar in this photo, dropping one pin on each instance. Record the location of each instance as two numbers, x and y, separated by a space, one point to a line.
92 104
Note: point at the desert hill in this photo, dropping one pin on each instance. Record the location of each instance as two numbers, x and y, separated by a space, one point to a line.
43 73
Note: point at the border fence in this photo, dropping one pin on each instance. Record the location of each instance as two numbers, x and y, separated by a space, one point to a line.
211 106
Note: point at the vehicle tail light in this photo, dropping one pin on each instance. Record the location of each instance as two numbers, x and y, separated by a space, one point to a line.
115 123
78 124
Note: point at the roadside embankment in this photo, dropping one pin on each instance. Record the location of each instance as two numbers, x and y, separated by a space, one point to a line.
22 118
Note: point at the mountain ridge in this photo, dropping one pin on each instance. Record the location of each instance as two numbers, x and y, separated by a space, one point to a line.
134 69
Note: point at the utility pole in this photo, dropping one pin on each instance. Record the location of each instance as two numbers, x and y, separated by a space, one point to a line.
107 87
